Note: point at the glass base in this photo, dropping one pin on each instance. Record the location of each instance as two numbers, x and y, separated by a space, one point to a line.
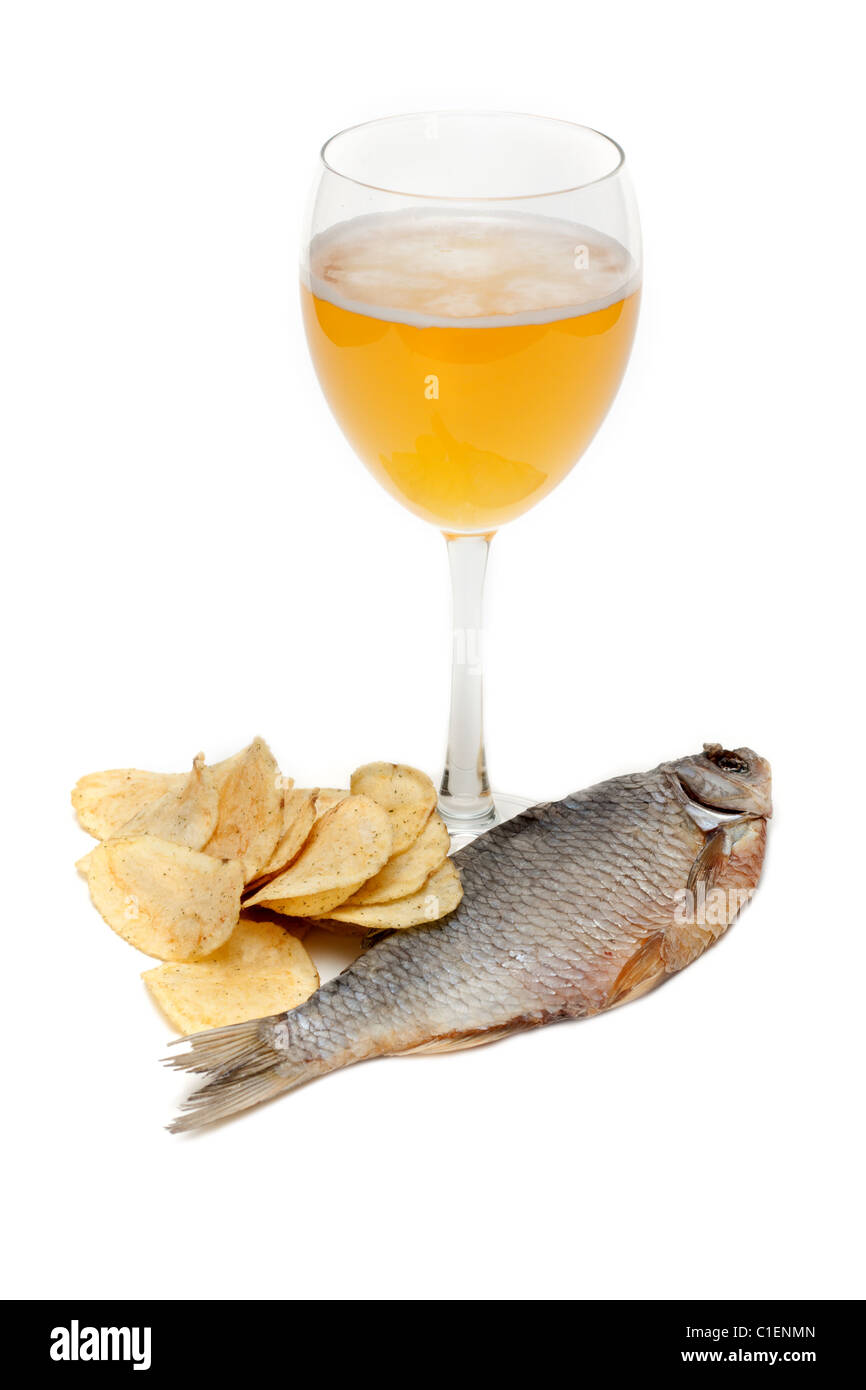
463 832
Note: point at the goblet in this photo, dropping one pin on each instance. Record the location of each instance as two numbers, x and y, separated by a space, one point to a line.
470 289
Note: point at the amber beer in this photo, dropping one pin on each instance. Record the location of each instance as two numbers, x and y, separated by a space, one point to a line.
470 359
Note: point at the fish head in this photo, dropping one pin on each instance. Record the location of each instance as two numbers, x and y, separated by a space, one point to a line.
735 781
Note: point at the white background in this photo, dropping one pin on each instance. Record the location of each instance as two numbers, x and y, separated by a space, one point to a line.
193 556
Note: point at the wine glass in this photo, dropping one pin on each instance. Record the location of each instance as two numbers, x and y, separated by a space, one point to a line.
470 291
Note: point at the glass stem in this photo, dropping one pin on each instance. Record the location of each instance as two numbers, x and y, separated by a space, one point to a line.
465 794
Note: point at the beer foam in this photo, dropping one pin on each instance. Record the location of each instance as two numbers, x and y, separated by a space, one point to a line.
430 269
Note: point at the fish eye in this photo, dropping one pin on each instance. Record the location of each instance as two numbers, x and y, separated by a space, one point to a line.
727 761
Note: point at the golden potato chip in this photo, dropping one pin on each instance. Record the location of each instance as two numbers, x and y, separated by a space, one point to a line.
220 771
405 873
299 814
326 797
251 792
167 900
346 846
311 904
105 801
406 794
262 969
186 815
83 864
436 898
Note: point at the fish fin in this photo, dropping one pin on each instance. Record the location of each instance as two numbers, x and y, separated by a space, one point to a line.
227 1095
710 860
374 936
645 969
217 1047
243 1070
460 1042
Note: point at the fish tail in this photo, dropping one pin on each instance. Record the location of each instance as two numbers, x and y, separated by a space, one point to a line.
243 1069
217 1047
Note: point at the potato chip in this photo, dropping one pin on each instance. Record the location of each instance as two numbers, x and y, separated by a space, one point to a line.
186 815
167 900
83 864
312 904
220 771
436 898
405 873
262 969
346 846
251 793
326 797
299 814
406 794
105 801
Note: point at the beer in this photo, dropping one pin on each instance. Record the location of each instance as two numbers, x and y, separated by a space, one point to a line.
469 358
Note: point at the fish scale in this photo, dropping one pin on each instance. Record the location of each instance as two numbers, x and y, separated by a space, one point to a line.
568 909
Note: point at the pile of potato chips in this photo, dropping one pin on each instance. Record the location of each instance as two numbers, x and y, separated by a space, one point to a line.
218 873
